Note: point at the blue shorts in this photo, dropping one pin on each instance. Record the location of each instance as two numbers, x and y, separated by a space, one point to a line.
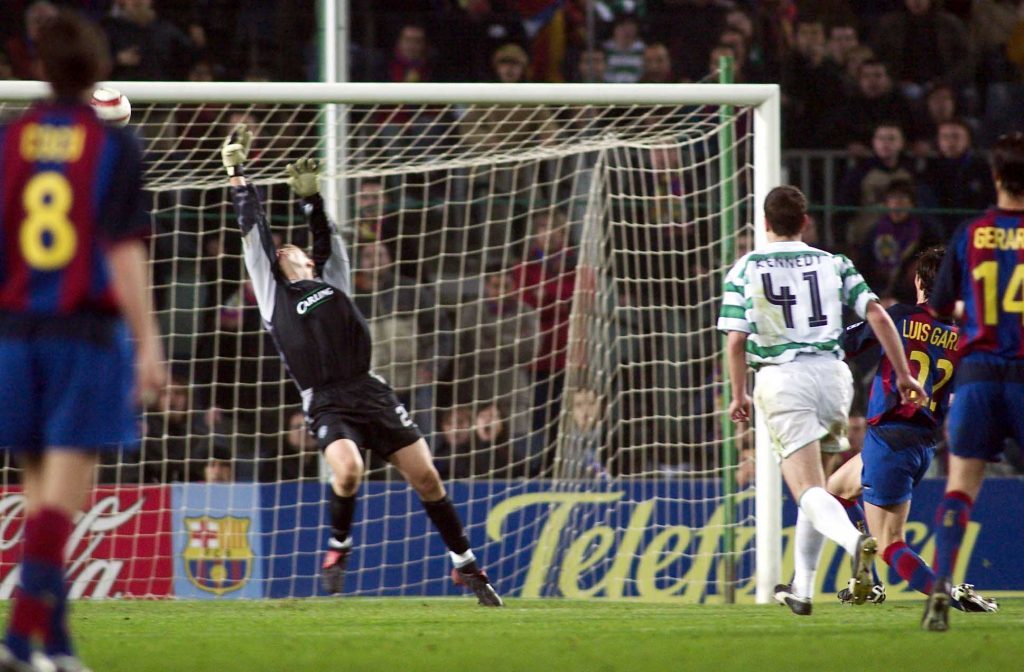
61 391
892 471
988 408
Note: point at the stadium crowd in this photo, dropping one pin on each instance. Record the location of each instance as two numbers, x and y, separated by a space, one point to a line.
906 93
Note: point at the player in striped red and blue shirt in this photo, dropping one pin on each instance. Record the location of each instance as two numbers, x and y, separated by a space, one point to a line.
73 290
985 269
901 438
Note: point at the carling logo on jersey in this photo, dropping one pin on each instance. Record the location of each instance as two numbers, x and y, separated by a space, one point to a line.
218 558
307 303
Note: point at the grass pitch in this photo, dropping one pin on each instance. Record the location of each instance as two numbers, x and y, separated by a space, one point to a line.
399 635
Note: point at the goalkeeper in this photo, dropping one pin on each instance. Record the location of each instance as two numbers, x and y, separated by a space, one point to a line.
306 306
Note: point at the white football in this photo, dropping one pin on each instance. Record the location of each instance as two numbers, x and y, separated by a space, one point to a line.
111 106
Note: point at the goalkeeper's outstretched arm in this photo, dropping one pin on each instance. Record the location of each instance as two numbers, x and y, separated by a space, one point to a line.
258 244
329 254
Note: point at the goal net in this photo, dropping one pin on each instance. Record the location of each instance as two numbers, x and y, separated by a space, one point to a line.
541 275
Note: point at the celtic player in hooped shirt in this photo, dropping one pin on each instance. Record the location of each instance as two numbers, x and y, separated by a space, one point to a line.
782 310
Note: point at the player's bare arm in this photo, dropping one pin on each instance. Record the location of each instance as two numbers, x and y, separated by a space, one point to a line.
736 348
885 331
131 287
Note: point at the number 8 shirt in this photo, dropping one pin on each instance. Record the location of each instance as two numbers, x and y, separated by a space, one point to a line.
788 298
70 191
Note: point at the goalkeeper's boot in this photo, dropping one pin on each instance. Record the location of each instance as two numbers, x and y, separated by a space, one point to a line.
863 558
784 595
936 610
332 571
970 600
478 582
11 663
877 595
68 664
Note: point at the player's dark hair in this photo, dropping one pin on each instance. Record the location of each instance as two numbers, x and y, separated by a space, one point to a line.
1008 163
785 209
74 54
928 263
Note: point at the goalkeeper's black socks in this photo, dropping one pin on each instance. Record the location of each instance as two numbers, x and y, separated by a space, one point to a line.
343 509
446 520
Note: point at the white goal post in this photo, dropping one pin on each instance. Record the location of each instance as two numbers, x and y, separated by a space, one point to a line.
624 109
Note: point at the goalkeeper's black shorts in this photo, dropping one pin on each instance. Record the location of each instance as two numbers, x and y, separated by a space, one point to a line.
364 410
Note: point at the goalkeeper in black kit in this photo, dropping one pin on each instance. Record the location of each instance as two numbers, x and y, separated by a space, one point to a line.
322 337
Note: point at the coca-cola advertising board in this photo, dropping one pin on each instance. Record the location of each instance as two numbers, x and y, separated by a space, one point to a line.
120 545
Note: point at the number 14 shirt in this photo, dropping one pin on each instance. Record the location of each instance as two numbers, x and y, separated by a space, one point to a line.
789 298
985 268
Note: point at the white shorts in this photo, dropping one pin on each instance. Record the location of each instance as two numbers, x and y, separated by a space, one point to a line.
803 401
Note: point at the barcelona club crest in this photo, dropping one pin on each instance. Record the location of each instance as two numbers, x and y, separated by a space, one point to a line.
218 558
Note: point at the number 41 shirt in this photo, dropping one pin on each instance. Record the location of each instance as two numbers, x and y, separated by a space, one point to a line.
789 298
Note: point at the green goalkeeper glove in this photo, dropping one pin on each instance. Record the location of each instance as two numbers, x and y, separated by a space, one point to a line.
236 149
304 177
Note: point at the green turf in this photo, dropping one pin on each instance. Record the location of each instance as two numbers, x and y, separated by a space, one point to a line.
454 635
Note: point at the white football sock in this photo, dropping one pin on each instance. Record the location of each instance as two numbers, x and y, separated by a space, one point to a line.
829 518
339 545
462 559
807 545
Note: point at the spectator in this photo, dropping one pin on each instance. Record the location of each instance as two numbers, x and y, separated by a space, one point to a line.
477 443
692 33
546 279
592 66
625 50
855 58
866 184
412 336
993 22
179 430
409 60
410 234
496 340
453 449
218 467
299 457
744 69
958 178
585 450
146 47
924 43
776 20
482 26
21 49
892 243
852 125
715 58
812 85
6 71
510 62
739 21
940 107
510 128
842 37
657 65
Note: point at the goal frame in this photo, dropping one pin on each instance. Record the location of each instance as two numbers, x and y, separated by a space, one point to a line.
763 99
